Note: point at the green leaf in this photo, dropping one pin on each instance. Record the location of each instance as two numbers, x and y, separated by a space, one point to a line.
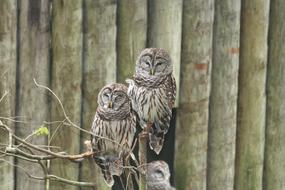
42 131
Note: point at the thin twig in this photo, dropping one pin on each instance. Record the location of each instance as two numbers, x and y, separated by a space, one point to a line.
55 131
5 94
70 182
24 170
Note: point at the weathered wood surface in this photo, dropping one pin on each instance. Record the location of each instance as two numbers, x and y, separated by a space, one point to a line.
66 83
192 123
223 99
164 31
252 98
131 35
274 173
33 63
97 42
8 24
99 66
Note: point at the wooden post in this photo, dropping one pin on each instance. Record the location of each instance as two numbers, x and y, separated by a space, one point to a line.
274 176
251 100
33 44
223 99
164 31
131 35
99 67
192 122
8 29
66 83
143 139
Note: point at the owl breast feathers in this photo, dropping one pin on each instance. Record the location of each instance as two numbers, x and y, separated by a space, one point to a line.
153 91
114 127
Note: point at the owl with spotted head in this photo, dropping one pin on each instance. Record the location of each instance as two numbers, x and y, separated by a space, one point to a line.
158 175
113 129
152 91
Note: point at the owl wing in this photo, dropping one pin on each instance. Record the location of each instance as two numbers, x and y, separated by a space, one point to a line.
96 129
99 145
171 90
121 134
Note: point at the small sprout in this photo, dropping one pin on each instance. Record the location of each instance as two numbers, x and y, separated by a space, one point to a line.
42 131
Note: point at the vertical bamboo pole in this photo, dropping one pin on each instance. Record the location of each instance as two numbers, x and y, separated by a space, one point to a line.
99 66
66 75
131 35
251 100
274 176
223 98
8 29
34 33
192 122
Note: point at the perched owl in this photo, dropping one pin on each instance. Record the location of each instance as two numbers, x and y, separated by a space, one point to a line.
157 176
153 91
114 120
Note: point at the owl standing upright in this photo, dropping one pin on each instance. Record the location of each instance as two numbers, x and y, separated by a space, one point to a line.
153 91
157 176
114 127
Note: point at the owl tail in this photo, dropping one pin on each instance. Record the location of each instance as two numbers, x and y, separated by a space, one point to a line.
105 168
156 141
108 178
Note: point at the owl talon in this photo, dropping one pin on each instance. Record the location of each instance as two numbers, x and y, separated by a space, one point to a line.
144 134
145 131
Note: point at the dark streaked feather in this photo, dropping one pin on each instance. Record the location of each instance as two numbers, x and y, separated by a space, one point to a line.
113 135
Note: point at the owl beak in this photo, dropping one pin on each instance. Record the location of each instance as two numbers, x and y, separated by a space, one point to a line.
110 104
151 72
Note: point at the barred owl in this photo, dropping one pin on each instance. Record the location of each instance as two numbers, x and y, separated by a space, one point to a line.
114 127
157 176
153 91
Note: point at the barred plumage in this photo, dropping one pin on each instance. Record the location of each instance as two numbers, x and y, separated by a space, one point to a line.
114 126
153 91
157 176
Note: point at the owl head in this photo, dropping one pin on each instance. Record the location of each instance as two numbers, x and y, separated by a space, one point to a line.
157 172
113 97
153 63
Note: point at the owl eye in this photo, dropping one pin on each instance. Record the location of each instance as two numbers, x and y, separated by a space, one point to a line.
105 95
119 96
147 63
159 173
159 63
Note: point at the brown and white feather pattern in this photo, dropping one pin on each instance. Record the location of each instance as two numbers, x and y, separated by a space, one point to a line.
153 95
114 131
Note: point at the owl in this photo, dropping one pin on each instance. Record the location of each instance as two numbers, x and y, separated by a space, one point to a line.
113 129
157 176
152 91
